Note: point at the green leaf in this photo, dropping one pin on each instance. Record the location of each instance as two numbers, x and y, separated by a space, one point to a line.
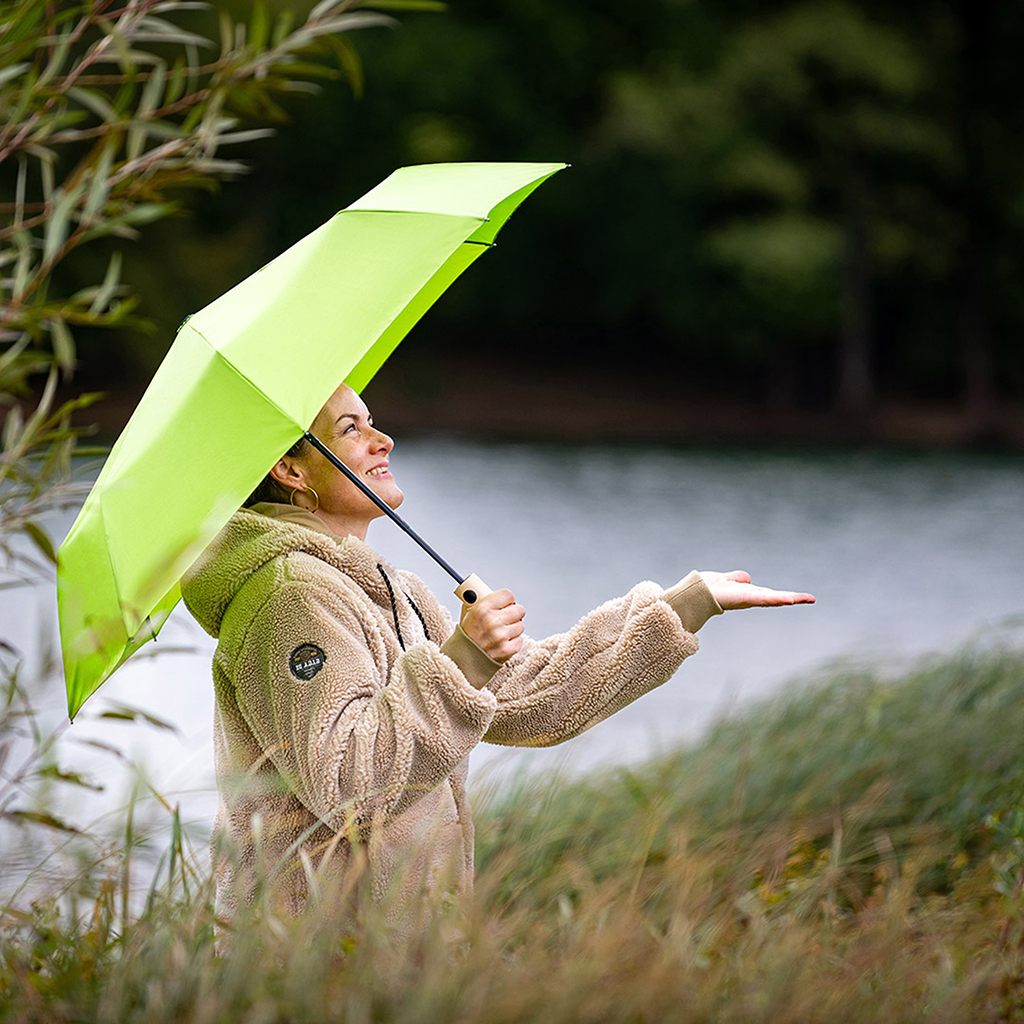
152 29
227 33
94 101
348 62
125 713
259 27
111 280
283 26
41 540
28 94
57 229
124 225
152 93
99 186
321 9
176 82
46 161
40 818
63 344
72 778
107 748
13 424
60 55
23 270
6 74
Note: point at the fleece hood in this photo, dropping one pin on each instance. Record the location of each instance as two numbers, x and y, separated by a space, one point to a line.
254 537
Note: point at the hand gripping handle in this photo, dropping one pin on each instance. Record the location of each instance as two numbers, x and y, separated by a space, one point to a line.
471 589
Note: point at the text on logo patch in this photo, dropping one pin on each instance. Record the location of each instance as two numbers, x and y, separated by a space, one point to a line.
306 661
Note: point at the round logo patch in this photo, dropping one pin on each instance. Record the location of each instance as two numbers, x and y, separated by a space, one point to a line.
306 660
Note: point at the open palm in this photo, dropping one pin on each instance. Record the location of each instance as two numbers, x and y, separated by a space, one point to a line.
734 590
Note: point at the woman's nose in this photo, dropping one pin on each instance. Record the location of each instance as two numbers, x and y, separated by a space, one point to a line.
383 441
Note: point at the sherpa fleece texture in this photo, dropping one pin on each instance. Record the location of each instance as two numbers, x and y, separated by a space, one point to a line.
346 768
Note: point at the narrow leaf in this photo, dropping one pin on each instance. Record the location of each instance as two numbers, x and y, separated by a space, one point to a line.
63 344
41 540
282 27
6 74
60 55
24 267
72 778
46 162
259 27
322 8
99 187
57 229
122 712
176 82
107 748
13 423
95 101
19 190
111 280
41 818
247 136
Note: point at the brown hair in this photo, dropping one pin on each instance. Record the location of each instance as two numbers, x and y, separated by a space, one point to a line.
268 488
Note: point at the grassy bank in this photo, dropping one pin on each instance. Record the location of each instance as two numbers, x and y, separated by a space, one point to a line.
853 852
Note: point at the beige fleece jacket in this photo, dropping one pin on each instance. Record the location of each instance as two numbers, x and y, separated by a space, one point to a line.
348 702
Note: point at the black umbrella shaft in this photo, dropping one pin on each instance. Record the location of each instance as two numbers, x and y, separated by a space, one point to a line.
386 509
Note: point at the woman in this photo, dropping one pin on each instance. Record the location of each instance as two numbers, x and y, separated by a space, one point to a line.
348 702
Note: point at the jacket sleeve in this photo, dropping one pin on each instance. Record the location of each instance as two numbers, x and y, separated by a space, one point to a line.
352 741
556 688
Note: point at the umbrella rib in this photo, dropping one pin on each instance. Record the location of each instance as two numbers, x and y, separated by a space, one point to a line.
386 509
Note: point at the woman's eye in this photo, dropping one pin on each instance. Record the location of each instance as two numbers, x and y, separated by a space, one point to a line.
351 426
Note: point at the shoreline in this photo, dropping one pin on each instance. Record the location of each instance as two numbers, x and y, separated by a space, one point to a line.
497 403
484 401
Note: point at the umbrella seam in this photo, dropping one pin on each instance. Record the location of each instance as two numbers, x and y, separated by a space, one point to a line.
259 391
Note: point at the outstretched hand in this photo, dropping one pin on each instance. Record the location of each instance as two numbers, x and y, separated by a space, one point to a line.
495 624
734 590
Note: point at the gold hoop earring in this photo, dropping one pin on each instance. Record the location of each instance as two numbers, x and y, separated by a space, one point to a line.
295 490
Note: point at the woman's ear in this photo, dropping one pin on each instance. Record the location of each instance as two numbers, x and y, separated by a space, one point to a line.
288 474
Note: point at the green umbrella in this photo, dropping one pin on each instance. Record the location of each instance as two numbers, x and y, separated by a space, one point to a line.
242 382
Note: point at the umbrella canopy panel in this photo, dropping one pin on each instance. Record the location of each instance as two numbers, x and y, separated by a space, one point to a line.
245 377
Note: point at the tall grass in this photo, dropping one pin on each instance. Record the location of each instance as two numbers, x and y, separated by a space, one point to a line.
851 852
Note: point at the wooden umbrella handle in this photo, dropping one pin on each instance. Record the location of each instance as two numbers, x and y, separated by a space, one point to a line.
471 589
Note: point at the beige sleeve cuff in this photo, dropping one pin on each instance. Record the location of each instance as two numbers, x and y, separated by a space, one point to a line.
692 601
472 662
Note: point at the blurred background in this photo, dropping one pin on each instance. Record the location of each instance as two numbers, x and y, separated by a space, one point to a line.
770 319
784 221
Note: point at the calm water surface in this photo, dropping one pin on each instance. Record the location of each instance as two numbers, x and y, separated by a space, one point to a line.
907 554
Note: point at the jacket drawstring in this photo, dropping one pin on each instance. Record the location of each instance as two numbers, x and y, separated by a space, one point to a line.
394 608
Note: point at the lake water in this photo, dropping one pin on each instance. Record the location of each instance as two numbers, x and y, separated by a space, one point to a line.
907 554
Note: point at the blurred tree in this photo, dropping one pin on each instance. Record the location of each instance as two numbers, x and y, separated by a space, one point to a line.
984 111
812 202
792 125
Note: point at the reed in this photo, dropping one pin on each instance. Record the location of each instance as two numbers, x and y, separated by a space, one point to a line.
853 851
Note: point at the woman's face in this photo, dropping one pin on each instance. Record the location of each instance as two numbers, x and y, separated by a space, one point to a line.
345 425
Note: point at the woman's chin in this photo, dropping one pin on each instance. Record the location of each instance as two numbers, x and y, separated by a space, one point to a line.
393 497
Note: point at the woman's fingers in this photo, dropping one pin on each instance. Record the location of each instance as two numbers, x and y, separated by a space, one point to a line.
495 624
733 590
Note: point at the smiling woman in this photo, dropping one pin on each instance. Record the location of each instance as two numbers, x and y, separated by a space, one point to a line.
348 701
312 483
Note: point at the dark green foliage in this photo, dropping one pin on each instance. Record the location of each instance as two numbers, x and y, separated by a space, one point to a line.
796 201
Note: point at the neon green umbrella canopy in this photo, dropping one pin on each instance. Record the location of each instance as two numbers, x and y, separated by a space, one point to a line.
242 381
